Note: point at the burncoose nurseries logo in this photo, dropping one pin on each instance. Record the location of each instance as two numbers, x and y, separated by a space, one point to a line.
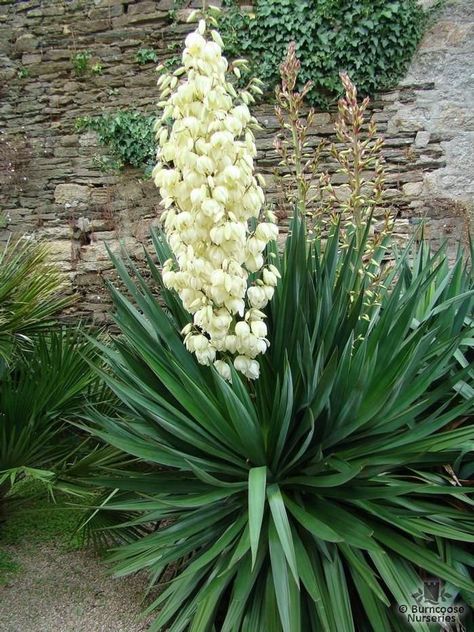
432 603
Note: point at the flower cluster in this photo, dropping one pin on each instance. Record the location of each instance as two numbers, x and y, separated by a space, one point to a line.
205 173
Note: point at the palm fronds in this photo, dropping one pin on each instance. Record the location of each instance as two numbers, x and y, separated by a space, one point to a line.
51 383
32 292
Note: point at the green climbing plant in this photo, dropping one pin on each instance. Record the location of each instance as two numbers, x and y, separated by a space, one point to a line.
145 56
372 40
80 63
128 136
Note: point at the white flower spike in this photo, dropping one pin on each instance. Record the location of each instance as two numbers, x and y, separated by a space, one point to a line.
205 174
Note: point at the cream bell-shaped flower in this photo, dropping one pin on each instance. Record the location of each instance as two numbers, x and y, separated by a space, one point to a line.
250 368
206 177
224 369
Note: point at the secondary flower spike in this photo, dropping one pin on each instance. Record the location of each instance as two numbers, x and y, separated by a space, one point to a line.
205 173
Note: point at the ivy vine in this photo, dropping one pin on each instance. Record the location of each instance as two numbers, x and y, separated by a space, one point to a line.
372 40
127 134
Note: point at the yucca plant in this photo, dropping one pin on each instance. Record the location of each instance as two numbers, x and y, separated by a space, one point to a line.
50 384
319 496
450 282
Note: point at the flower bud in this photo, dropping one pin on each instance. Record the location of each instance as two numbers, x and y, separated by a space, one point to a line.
194 43
257 297
269 278
266 231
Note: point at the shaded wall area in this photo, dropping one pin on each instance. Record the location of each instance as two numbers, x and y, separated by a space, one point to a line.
52 188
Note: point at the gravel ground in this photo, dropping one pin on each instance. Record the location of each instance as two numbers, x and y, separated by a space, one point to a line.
68 591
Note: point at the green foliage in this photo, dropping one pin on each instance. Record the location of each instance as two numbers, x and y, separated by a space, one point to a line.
313 498
23 72
172 62
80 63
31 294
97 68
128 135
372 40
50 384
145 56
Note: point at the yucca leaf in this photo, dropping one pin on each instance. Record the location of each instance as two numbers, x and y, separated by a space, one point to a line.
282 527
256 499
423 557
284 584
311 523
338 593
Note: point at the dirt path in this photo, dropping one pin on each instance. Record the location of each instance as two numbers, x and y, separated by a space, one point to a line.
67 591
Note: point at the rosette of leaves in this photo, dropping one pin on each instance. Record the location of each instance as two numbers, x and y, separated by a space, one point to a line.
320 495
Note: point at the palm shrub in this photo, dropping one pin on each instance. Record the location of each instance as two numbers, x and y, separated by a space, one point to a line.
46 377
47 381
31 294
50 384
321 494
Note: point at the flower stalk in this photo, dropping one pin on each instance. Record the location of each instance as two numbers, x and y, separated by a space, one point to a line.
212 195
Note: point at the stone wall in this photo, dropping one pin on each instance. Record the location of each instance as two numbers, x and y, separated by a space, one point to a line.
51 188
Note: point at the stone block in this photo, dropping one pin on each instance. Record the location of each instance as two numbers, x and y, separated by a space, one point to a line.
65 152
412 189
106 12
148 6
108 3
93 26
69 141
6 74
132 20
53 10
406 120
88 139
71 193
104 235
30 58
57 54
71 86
26 43
58 234
103 225
60 250
58 100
